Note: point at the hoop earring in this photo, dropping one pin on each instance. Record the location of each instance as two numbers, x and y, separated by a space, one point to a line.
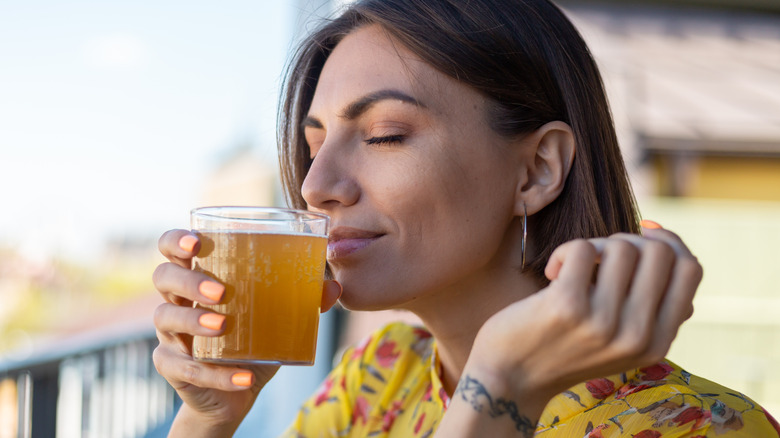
525 234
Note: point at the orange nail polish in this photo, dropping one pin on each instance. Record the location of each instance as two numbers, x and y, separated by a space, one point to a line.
211 290
650 225
242 379
187 242
212 321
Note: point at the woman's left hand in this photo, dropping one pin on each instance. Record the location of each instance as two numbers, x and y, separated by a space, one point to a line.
613 304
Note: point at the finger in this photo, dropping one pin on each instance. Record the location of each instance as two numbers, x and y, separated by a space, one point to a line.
331 292
648 290
581 252
687 272
652 230
574 262
615 274
175 283
170 318
181 371
179 246
677 305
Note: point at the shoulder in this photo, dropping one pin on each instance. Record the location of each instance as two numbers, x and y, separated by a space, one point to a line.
671 397
658 400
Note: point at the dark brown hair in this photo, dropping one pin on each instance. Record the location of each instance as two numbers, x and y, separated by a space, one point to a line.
532 64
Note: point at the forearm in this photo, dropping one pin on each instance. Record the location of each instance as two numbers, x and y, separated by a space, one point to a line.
484 405
187 424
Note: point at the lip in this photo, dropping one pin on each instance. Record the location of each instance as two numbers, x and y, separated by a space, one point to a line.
345 241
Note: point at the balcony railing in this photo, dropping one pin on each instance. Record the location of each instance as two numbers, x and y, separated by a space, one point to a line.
103 384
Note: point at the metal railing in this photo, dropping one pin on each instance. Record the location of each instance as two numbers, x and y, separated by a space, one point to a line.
101 386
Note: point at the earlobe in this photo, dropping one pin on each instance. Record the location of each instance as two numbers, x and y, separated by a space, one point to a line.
553 148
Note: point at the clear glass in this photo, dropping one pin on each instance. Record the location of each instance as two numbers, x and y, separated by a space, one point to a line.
272 263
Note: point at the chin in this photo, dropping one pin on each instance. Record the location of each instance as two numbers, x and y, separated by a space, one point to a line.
365 292
357 297
363 301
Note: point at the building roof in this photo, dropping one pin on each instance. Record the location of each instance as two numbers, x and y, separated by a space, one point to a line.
691 79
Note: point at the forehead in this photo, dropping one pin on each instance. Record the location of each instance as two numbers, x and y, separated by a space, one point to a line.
367 60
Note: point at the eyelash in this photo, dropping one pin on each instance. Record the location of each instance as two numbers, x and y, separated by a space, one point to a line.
389 139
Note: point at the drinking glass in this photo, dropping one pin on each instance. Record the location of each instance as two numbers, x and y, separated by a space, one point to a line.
272 264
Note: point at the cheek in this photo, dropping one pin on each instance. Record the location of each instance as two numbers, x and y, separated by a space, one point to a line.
444 212
474 209
402 187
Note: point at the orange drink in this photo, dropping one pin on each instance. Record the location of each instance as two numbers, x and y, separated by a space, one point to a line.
273 286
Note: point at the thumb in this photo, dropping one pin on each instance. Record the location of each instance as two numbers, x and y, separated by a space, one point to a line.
331 291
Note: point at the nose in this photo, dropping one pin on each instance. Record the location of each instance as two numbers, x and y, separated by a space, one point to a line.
331 181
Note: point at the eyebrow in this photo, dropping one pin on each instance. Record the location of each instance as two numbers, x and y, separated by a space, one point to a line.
361 105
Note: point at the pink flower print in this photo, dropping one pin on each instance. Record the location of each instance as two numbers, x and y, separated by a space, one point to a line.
600 388
772 421
634 387
445 399
596 432
428 393
323 393
419 424
656 372
629 389
360 410
697 415
390 415
386 354
647 433
705 419
421 333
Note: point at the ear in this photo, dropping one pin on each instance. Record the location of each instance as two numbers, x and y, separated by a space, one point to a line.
549 156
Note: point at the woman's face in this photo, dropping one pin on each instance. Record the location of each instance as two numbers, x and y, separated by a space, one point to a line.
420 190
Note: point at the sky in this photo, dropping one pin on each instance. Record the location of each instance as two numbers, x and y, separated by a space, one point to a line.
112 112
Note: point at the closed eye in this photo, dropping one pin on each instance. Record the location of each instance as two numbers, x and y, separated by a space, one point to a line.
388 139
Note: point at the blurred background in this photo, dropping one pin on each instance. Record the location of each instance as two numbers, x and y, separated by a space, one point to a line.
117 118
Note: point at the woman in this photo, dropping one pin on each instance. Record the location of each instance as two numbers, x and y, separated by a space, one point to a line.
466 155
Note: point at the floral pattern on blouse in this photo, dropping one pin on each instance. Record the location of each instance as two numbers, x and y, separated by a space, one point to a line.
388 386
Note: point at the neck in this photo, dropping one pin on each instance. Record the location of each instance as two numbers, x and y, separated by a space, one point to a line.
455 314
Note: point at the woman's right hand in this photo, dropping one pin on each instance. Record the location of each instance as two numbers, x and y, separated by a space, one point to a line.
216 397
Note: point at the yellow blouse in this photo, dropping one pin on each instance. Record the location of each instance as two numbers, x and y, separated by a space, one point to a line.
389 386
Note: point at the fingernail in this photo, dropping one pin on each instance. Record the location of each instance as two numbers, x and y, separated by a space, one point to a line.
211 290
242 379
650 225
212 321
187 242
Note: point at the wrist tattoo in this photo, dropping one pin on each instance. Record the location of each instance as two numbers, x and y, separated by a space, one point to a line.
473 392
